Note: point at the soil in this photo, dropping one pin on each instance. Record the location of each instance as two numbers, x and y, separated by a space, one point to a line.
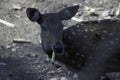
27 61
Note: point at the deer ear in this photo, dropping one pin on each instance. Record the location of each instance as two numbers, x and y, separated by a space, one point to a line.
68 12
33 14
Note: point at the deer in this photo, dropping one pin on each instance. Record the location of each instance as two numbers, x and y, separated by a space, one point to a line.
88 48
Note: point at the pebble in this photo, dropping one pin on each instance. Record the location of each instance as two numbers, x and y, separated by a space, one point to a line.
59 70
47 59
86 30
13 49
63 78
3 64
111 42
33 55
51 72
8 46
75 76
54 79
28 72
22 56
36 62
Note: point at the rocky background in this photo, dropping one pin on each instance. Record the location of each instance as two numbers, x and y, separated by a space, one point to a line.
27 61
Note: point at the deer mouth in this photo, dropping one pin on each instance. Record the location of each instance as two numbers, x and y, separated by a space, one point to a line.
58 48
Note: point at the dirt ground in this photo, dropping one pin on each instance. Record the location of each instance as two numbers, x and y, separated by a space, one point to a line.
27 61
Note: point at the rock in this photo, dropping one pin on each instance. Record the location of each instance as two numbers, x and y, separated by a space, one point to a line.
105 13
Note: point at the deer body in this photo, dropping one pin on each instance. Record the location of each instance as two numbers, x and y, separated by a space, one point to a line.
86 47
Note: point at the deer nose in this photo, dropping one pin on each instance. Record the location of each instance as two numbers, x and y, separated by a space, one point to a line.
58 48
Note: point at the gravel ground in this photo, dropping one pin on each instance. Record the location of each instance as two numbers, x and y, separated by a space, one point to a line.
27 61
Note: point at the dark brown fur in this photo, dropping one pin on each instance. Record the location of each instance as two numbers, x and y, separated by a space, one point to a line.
88 47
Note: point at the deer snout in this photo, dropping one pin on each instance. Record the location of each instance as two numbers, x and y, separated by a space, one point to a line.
58 48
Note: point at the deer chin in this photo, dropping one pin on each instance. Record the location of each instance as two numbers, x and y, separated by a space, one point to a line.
64 54
60 54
